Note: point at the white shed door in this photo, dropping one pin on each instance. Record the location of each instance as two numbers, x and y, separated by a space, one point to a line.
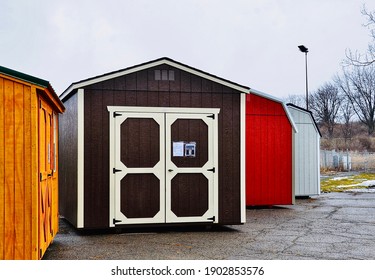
163 168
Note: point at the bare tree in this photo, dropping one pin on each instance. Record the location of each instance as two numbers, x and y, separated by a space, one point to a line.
325 104
356 58
298 100
346 113
358 85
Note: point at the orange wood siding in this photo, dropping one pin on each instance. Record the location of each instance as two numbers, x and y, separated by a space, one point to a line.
2 170
19 171
48 206
15 145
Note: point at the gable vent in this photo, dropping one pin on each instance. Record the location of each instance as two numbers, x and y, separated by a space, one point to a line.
164 75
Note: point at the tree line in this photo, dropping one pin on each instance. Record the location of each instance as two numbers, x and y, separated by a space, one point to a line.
350 96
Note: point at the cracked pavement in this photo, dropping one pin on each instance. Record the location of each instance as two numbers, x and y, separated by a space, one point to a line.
332 226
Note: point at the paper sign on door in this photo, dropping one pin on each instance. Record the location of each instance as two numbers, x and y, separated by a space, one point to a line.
190 149
184 149
178 149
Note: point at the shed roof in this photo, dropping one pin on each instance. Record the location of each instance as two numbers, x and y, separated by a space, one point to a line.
35 81
273 98
150 64
307 112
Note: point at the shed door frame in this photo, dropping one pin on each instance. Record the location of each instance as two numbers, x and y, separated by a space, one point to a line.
155 113
47 172
120 170
206 171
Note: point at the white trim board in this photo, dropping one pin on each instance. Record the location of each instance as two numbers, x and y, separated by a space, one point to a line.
181 110
151 64
243 157
80 159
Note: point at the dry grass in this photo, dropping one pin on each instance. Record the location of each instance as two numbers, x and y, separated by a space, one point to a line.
359 161
362 160
344 183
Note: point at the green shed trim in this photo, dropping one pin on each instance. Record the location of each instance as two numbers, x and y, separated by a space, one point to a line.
35 81
24 77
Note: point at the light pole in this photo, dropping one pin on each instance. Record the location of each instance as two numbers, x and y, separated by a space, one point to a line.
305 50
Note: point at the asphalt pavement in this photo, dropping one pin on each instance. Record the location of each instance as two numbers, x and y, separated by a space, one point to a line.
332 226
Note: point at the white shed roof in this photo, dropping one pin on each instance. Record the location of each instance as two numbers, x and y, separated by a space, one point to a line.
305 116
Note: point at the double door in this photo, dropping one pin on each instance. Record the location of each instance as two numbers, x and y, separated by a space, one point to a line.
163 166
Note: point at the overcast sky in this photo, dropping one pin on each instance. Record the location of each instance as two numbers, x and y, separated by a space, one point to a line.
250 42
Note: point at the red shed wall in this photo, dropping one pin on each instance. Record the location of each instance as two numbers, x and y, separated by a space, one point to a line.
268 153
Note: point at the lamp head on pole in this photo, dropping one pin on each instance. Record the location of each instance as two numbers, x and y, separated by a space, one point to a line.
303 49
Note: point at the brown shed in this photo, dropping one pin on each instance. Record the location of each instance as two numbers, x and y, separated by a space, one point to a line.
29 109
156 143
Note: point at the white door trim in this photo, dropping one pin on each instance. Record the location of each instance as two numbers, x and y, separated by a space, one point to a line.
123 170
130 111
212 162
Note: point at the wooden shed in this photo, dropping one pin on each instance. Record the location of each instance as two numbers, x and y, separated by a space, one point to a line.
306 152
29 110
152 144
269 147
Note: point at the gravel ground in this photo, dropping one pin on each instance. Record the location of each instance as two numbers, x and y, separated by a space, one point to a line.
332 226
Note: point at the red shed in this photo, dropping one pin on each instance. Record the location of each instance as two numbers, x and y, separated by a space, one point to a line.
269 161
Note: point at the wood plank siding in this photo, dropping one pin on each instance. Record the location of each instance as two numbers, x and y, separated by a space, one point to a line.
141 88
17 162
21 218
268 153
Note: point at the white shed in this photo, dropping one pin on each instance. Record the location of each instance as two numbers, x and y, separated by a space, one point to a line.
306 149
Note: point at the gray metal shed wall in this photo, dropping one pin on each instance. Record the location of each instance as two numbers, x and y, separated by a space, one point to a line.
306 154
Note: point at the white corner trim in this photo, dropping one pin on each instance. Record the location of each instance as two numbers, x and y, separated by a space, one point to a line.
80 159
112 189
243 157
318 163
294 179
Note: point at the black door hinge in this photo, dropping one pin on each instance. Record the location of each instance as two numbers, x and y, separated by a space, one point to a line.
212 169
116 221
115 114
116 170
211 116
211 219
